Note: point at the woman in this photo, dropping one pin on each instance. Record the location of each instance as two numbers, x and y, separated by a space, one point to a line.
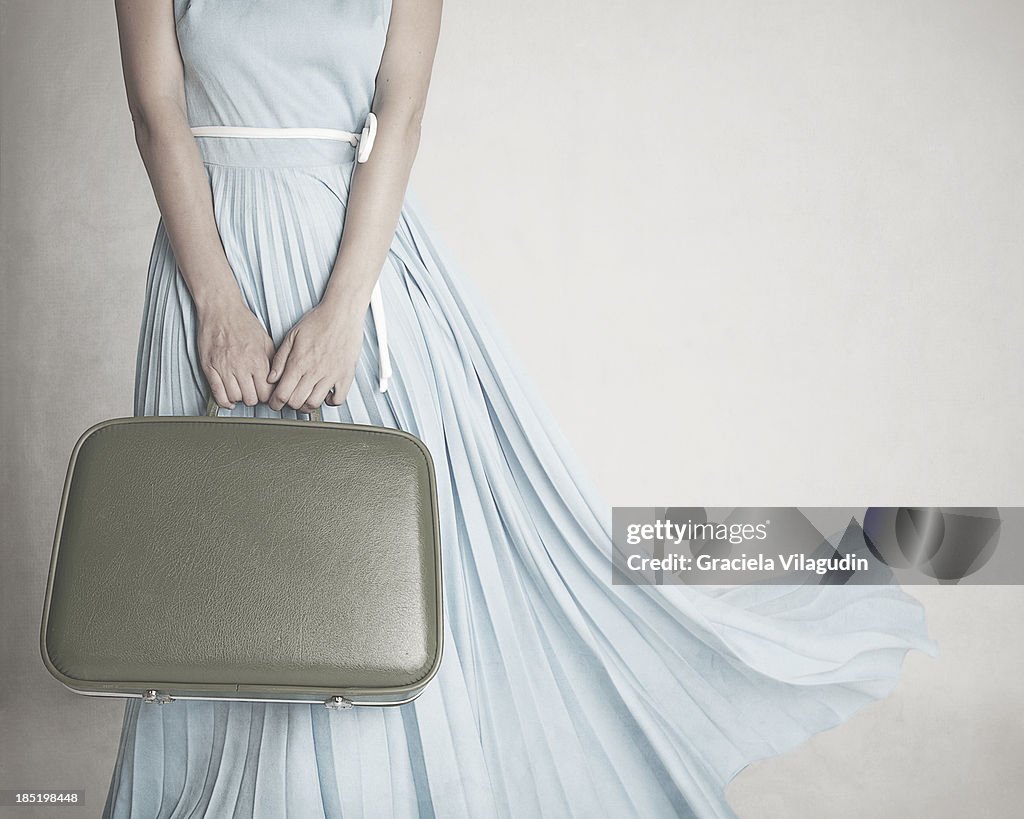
276 258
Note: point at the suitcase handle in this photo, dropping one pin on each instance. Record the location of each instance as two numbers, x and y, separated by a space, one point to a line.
213 408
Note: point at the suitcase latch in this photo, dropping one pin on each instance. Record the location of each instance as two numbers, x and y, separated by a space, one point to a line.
338 703
152 695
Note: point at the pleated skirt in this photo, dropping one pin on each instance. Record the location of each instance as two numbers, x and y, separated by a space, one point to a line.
560 695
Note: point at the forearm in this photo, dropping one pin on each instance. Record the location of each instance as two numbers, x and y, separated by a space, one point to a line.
182 190
374 205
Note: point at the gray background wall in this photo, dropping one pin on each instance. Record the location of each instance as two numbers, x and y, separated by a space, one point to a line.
780 242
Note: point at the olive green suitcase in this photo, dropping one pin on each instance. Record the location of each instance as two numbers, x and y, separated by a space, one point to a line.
246 558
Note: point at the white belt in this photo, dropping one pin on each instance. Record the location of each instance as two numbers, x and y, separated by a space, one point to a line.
364 144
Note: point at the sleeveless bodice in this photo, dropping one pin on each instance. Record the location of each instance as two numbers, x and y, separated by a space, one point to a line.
281 64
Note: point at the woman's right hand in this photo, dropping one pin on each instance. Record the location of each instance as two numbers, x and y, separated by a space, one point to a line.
235 352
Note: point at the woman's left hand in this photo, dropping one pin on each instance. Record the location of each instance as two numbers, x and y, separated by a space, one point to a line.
318 353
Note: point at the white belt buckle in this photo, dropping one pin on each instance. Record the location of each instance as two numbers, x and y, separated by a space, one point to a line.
366 137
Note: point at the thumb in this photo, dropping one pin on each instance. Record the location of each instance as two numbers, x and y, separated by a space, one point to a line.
277 365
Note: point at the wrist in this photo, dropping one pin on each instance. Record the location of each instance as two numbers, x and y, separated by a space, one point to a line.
211 283
343 301
210 302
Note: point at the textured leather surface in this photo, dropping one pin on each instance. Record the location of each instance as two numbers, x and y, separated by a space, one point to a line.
243 553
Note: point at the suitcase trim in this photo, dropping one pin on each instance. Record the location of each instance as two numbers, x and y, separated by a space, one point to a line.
316 695
314 701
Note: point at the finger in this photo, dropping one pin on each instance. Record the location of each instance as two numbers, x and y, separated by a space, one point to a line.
249 395
217 388
301 393
264 389
318 394
342 387
285 387
263 386
234 390
277 365
334 397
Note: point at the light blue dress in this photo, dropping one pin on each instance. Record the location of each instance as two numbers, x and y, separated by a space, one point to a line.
560 695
